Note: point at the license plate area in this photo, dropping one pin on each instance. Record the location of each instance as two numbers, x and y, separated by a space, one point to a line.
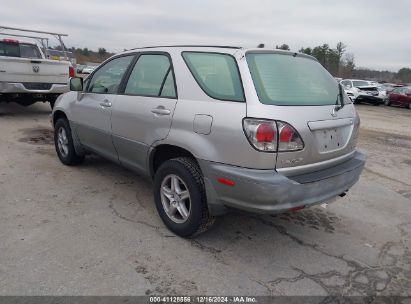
329 140
331 135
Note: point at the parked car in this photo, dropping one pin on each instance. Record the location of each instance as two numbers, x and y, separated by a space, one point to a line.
216 128
79 68
88 69
26 76
361 91
400 97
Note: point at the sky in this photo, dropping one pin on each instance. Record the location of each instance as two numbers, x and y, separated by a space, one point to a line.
377 32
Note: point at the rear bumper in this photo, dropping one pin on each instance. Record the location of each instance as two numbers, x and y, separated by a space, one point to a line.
267 191
19 88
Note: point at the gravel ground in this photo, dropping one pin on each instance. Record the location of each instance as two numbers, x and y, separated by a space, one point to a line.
93 229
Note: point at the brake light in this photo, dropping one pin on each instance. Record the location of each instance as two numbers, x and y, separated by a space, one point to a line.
289 139
272 136
10 41
265 133
71 71
262 134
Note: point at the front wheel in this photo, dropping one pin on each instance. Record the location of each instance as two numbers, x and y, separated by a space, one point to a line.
180 197
63 141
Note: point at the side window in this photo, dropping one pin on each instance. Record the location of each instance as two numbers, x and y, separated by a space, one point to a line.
347 83
151 76
107 78
217 75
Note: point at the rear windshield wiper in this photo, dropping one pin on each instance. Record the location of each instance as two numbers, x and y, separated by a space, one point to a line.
340 98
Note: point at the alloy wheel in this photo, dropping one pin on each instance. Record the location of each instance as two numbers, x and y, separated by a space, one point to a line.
62 142
175 198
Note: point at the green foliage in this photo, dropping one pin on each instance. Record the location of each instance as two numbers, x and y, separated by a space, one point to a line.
331 58
85 52
283 47
102 52
404 75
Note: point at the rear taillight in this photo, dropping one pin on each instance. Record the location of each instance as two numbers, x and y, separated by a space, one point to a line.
272 136
71 71
288 138
262 134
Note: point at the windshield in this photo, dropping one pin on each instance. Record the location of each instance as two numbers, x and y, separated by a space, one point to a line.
360 83
282 79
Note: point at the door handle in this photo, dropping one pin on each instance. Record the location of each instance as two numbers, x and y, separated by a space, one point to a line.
161 110
105 104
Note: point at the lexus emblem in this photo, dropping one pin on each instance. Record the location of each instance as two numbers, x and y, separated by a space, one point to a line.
334 113
36 68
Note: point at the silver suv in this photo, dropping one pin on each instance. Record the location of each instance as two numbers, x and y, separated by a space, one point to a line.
216 128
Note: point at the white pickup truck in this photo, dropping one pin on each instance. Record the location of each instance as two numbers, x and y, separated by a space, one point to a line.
26 76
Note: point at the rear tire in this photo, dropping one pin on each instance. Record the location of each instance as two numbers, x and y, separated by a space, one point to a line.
63 141
183 208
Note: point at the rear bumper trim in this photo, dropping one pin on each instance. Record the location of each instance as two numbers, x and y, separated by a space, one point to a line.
267 191
17 87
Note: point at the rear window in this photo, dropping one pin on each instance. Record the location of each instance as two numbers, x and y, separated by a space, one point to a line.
29 51
19 50
9 49
217 74
282 79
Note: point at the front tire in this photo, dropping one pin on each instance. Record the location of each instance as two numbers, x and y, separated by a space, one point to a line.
63 142
180 197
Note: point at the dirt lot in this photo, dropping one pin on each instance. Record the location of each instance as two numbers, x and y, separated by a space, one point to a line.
93 229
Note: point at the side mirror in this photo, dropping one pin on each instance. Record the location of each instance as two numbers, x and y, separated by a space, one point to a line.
76 84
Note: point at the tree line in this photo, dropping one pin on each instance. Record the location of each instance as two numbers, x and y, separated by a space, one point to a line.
84 55
341 63
337 61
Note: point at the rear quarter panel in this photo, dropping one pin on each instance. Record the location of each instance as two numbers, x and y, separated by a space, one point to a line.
226 143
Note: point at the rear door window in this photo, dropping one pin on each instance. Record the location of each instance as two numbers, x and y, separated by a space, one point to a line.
151 76
217 74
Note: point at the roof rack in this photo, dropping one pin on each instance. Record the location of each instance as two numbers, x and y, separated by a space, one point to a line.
189 45
43 40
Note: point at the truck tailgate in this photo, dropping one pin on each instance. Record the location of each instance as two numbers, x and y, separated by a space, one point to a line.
13 69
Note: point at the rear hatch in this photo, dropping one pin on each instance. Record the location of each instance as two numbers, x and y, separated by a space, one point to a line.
15 67
297 90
